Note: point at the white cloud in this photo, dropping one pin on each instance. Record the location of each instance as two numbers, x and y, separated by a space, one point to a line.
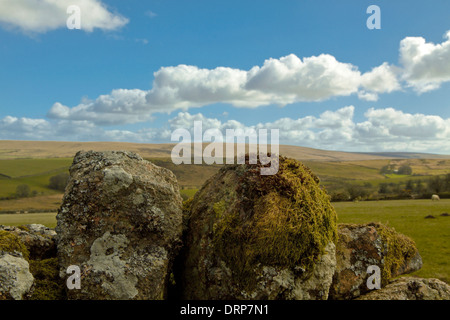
426 65
314 78
398 124
121 106
39 16
279 81
184 86
381 79
382 130
150 14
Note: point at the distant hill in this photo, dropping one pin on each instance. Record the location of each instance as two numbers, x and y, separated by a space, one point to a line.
10 149
34 162
407 155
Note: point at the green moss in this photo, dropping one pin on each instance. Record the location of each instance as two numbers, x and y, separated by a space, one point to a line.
281 220
400 249
219 208
172 281
10 242
48 284
24 228
187 206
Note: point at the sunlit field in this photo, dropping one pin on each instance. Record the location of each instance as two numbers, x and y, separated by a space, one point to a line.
432 235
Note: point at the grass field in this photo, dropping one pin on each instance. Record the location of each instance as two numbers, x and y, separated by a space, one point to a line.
35 173
39 203
47 219
432 236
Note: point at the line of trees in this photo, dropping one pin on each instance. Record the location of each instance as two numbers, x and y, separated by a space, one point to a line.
413 188
436 184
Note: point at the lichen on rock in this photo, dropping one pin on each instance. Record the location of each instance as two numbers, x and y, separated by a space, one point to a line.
372 244
411 288
16 281
120 222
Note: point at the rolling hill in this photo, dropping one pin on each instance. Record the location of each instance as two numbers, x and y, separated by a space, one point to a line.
11 149
34 162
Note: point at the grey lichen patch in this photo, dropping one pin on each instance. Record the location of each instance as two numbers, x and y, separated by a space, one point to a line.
105 258
15 277
117 179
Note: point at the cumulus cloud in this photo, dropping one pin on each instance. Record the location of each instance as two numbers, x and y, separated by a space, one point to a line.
39 16
282 81
381 79
13 128
121 106
278 81
314 78
391 123
382 130
426 65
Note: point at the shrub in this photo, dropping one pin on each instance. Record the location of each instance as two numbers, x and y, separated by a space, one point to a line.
23 191
59 182
405 169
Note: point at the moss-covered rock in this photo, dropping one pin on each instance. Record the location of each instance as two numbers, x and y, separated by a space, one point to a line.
38 239
254 236
400 254
10 242
409 288
372 244
35 244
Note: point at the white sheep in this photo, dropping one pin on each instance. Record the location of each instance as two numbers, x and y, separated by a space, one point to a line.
435 197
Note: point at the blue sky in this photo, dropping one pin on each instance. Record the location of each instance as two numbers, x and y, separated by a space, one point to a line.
137 70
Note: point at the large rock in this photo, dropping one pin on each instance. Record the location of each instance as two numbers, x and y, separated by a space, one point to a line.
35 244
361 246
409 288
259 237
16 281
38 239
120 223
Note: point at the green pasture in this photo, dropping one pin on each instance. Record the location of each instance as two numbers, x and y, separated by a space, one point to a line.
17 219
432 236
31 167
34 172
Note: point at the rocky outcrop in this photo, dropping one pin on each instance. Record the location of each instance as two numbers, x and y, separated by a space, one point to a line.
120 223
361 246
245 236
409 288
259 237
38 239
29 250
16 281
